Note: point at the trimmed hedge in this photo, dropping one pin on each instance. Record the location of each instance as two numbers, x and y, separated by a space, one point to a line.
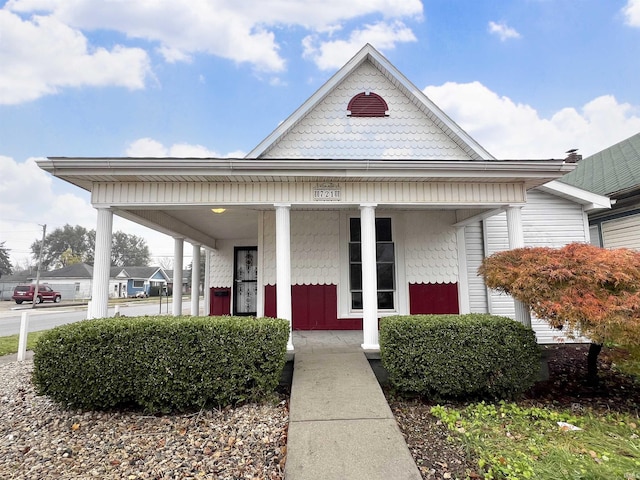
457 356
161 364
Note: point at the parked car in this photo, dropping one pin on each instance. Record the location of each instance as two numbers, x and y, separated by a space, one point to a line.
141 294
24 293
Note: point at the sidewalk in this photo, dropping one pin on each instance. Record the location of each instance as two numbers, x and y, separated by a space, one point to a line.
340 425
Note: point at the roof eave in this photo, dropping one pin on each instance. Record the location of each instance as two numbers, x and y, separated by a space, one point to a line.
84 172
592 202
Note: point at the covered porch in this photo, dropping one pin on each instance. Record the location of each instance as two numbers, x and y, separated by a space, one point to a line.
259 197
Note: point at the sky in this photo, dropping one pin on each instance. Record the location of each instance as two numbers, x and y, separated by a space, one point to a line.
528 79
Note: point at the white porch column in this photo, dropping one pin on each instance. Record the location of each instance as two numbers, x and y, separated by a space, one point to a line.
516 240
369 277
283 266
207 283
195 281
178 252
99 305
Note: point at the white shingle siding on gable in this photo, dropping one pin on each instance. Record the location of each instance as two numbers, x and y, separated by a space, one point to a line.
548 221
327 132
431 255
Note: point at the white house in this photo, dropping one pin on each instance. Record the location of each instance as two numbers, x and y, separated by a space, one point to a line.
367 201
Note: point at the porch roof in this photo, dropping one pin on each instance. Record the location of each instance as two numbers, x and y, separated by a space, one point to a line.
174 195
84 172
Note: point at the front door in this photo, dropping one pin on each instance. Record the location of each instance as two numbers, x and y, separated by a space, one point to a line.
245 288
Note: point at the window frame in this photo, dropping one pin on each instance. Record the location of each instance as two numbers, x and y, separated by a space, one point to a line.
400 299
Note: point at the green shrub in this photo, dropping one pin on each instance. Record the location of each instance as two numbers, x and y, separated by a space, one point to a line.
161 364
454 356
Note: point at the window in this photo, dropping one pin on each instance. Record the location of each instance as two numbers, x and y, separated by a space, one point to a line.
138 283
385 264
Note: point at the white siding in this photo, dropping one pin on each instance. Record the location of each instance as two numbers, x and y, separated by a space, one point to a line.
430 249
622 232
315 249
300 192
548 221
221 274
474 241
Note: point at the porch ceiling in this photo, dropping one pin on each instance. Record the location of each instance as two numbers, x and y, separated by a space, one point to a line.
198 225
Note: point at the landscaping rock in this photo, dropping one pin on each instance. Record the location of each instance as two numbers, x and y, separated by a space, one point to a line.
39 439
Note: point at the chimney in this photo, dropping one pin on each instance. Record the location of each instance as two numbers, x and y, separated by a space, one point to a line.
573 156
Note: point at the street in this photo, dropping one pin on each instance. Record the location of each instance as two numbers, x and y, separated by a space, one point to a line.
46 317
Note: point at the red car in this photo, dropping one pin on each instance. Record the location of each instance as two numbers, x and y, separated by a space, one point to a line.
24 293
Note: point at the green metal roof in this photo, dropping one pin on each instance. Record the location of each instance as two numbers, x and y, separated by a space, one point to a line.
613 169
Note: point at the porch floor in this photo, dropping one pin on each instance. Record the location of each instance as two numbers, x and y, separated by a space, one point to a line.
340 425
327 341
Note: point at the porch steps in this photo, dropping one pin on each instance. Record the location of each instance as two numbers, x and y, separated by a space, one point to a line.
340 425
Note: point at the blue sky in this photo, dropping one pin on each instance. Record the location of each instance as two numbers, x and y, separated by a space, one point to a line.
526 78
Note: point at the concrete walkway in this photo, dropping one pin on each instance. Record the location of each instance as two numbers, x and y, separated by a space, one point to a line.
340 425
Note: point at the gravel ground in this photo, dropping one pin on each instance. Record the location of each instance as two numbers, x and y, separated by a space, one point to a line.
40 440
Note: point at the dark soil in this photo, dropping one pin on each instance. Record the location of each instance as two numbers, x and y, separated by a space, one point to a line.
438 457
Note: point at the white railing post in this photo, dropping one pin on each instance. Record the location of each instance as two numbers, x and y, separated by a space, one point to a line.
24 332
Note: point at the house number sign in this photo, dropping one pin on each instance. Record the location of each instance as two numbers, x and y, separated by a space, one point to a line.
326 193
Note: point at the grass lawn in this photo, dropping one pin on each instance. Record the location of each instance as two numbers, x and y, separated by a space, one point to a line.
517 442
9 344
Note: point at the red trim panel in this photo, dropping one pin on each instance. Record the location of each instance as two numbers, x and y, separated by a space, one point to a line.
313 307
220 301
270 301
433 298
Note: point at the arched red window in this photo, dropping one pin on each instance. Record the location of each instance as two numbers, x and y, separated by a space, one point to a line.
367 105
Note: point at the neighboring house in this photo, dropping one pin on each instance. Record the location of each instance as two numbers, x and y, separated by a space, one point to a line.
129 281
615 173
367 201
75 281
9 282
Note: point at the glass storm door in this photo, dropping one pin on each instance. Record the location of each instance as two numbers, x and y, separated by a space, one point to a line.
245 291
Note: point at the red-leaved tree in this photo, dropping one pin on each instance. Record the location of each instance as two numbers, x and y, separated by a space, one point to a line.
590 290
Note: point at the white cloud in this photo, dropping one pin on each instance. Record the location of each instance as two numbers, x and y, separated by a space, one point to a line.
334 54
42 55
239 31
148 147
503 31
44 47
31 198
631 13
511 130
28 200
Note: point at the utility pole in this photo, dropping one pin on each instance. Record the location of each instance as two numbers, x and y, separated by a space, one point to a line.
35 294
